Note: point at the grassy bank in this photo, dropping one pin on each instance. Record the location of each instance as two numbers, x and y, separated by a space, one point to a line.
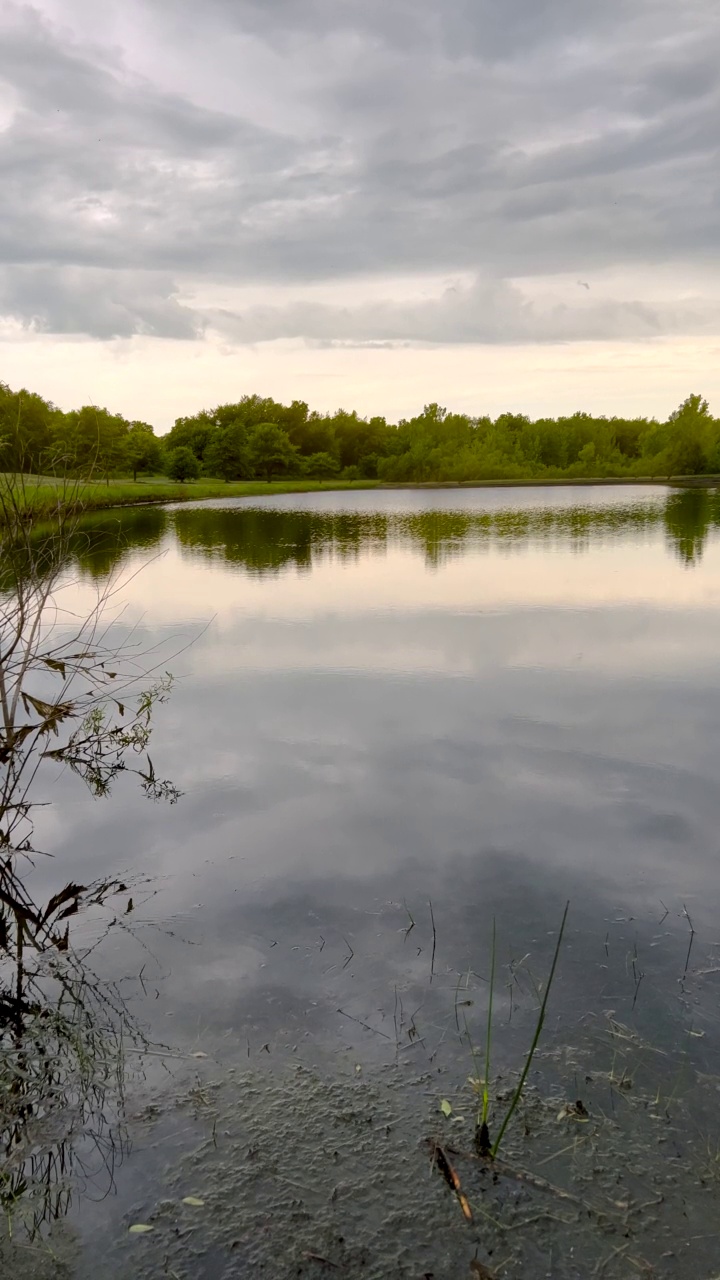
42 496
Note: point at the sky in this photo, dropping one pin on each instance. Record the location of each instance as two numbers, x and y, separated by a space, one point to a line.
496 206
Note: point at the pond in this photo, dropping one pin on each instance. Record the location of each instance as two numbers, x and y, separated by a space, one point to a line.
404 722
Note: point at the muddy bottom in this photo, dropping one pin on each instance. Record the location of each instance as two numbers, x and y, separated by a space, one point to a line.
287 1171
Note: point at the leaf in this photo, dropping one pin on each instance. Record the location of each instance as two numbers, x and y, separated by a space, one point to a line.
194 1200
55 665
139 1228
54 710
445 1107
199 1054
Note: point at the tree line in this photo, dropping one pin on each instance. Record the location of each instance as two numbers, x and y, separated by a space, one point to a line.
259 438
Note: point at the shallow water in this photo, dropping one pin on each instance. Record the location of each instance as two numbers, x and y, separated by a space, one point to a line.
397 716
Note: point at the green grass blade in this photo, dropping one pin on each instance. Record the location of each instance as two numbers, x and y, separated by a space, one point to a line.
488 1035
536 1037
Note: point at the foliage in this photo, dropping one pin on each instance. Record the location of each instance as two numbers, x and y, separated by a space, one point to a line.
181 464
272 451
228 453
26 424
87 441
321 465
141 449
234 441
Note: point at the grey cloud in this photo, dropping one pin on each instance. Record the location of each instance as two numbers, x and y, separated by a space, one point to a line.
456 27
515 139
77 300
486 312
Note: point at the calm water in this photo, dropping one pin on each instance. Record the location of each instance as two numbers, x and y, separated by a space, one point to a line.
398 715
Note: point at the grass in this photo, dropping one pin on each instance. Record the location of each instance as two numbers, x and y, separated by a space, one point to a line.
485 1146
43 495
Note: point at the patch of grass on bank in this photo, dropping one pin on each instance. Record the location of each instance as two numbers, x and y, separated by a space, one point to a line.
43 495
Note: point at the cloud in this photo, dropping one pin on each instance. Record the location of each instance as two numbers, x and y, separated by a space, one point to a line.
267 142
101 302
484 312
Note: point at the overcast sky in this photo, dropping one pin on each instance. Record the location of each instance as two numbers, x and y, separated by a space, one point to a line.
369 203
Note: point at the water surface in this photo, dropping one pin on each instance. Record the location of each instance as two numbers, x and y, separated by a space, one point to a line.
397 716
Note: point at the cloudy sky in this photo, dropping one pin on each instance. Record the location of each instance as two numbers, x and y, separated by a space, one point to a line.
366 203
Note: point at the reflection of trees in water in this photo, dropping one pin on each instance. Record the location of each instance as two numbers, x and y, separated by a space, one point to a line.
689 516
93 545
266 541
69 697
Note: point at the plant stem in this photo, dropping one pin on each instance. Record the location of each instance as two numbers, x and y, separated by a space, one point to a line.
536 1037
486 1094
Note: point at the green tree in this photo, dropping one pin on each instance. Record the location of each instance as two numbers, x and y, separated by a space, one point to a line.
181 464
322 466
272 451
142 450
193 433
26 422
691 435
228 453
88 442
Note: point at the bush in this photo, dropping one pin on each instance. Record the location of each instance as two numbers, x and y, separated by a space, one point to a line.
182 464
321 466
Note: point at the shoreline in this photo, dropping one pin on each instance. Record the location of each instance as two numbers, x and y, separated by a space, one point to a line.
675 482
130 494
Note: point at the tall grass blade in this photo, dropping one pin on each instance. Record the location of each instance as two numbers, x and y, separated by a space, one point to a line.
488 1037
538 1029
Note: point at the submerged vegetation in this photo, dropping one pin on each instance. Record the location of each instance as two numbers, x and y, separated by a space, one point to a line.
258 439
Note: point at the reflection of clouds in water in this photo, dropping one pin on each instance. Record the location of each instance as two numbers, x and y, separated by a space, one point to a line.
348 778
195 592
495 733
333 725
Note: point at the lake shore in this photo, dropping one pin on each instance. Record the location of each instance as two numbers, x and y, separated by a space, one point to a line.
675 482
45 497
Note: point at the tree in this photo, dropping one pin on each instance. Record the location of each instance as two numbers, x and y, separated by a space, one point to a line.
193 433
141 449
25 426
182 465
322 466
88 441
228 453
272 451
690 437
